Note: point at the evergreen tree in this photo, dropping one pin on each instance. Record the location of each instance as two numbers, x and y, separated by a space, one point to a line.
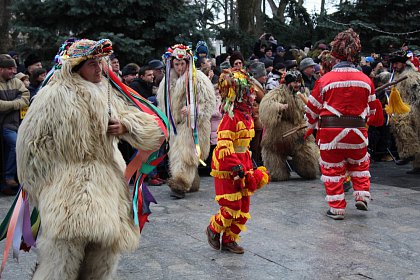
139 30
380 23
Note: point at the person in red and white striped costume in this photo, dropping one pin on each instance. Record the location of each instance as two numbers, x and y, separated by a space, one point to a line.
341 104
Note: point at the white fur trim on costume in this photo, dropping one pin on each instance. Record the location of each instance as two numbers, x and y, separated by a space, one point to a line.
336 197
334 144
332 110
344 69
346 84
359 174
362 194
334 179
359 161
328 165
351 146
339 211
372 97
312 113
314 102
365 112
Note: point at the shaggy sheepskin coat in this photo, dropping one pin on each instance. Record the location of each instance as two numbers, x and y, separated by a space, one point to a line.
275 148
406 127
73 170
183 161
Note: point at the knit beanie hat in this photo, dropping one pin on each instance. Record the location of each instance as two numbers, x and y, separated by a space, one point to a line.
257 69
202 48
346 46
31 60
6 61
235 56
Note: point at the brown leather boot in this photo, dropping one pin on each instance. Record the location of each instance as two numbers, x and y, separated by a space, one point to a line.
213 238
233 247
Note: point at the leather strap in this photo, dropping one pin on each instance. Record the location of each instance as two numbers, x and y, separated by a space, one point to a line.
342 122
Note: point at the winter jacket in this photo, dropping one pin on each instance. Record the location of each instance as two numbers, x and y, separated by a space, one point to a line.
13 97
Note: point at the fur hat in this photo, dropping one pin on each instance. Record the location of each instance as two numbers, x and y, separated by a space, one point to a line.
129 69
305 63
292 76
346 46
290 64
235 56
257 69
31 60
6 61
156 64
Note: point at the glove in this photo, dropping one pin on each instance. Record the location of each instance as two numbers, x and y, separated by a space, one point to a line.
238 175
250 182
262 177
238 172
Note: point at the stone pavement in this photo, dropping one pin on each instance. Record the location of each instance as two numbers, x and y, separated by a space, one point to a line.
288 237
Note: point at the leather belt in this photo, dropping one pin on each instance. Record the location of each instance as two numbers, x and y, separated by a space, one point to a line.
342 122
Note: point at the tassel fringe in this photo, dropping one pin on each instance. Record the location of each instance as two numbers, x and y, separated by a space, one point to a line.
338 211
231 196
334 179
336 197
359 174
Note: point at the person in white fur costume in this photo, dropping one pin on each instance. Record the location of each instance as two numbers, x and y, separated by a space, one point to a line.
69 164
187 97
281 110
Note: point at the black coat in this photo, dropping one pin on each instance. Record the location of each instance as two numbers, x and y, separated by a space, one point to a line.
144 88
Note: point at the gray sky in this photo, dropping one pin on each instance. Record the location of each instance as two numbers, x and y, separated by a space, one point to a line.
312 5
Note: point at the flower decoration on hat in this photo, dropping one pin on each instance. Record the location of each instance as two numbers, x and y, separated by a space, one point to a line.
178 51
236 88
86 49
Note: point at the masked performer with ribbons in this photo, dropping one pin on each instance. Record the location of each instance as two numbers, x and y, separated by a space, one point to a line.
235 178
71 169
187 97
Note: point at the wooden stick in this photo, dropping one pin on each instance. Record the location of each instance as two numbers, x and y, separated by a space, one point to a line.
391 83
294 130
